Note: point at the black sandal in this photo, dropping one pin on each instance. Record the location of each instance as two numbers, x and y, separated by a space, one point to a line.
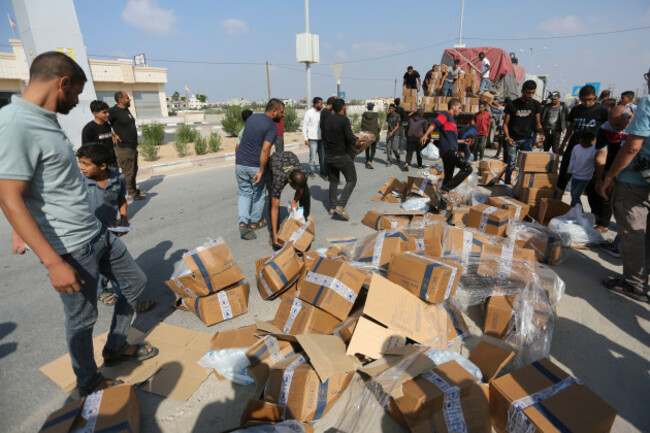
259 225
116 357
620 286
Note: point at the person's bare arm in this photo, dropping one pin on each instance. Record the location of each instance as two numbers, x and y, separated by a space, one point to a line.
394 130
623 158
599 165
419 83
264 159
506 131
538 125
63 277
275 212
17 244
426 134
122 206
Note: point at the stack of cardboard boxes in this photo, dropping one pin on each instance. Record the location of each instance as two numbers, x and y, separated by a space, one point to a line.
490 171
468 83
537 178
409 99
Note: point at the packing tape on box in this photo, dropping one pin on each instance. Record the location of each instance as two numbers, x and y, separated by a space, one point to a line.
226 309
550 245
379 246
505 264
518 422
425 183
419 245
90 412
331 283
485 216
277 270
460 331
287 377
510 202
293 313
298 233
452 410
182 287
452 277
468 239
204 272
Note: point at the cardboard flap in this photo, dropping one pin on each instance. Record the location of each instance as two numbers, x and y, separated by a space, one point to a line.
490 359
258 410
62 420
372 340
267 327
326 354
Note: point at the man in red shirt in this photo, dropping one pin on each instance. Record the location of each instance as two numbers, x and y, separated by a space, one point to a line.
482 122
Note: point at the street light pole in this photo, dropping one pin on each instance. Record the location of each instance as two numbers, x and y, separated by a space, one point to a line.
307 64
460 31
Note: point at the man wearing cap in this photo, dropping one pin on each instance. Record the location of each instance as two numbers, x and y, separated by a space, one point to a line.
554 122
370 123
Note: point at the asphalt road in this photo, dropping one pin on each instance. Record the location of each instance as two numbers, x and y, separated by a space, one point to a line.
600 337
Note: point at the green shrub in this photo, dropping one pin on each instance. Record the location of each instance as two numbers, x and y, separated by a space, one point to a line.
182 148
232 122
291 121
200 146
214 142
186 133
154 133
355 120
149 149
382 120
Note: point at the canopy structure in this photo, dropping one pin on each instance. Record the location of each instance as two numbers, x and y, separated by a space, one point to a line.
504 76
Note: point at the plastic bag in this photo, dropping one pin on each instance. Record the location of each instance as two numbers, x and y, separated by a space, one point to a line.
416 203
290 426
546 243
298 215
229 363
431 151
576 228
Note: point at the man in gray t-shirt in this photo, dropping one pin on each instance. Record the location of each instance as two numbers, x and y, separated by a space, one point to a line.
42 194
449 79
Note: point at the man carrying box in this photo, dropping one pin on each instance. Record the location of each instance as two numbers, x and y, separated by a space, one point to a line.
449 79
412 79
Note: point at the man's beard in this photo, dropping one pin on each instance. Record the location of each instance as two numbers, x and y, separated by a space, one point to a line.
276 119
63 107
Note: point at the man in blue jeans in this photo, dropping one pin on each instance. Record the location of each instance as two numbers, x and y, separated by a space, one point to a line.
251 158
43 196
522 118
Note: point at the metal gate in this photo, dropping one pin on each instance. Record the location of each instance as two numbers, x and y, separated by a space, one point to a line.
147 105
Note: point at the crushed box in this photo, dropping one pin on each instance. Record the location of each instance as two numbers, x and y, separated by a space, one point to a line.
457 328
498 313
507 261
460 214
279 272
301 235
372 340
489 219
432 280
391 192
538 162
378 249
422 186
295 316
517 209
549 209
220 306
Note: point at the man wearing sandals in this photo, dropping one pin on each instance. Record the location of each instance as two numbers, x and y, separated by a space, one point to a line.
43 196
631 197
251 158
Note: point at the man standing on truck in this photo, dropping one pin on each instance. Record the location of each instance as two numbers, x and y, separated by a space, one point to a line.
449 80
412 79
448 145
485 72
427 85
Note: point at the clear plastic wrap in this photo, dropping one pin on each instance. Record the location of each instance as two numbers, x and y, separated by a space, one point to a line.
440 357
576 228
416 203
479 197
546 243
466 189
431 151
180 267
289 426
229 363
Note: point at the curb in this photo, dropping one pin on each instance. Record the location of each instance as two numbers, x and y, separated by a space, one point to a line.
165 167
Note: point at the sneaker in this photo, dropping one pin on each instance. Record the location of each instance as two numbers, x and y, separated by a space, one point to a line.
405 168
611 249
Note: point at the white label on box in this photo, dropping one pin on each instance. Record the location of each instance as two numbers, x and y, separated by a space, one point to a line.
452 277
518 208
287 377
452 410
379 246
272 346
505 264
393 224
90 412
298 233
226 310
468 238
295 309
332 283
184 289
419 244
485 216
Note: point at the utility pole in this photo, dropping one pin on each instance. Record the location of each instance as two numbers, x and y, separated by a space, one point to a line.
460 31
307 64
268 80
395 89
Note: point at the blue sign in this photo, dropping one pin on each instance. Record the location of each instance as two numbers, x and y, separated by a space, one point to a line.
576 91
342 95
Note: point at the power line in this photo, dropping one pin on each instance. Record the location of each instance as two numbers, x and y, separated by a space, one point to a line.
331 75
580 35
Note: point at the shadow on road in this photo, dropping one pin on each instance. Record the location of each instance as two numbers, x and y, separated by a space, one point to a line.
7 328
146 185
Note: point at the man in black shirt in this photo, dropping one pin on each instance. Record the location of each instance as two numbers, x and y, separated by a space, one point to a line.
285 168
522 118
324 114
126 133
404 124
337 137
99 131
412 79
589 115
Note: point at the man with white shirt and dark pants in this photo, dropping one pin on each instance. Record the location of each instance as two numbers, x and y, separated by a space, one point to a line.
485 72
312 134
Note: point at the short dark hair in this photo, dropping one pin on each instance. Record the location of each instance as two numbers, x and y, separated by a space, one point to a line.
628 94
338 105
529 85
331 99
53 64
118 95
587 135
482 104
245 114
98 153
392 106
587 90
298 178
457 62
481 54
453 102
273 104
316 100
409 68
609 103
605 94
397 101
97 106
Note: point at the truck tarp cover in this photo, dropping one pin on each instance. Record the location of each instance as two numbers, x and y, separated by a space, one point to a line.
503 74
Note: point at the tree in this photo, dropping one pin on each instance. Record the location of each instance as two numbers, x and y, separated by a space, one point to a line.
232 122
176 96
201 98
183 98
291 121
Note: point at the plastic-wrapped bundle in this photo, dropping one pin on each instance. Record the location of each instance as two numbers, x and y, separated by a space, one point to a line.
439 357
546 243
576 228
416 203
479 197
466 189
181 268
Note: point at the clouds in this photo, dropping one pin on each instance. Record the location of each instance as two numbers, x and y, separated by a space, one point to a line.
149 16
235 27
340 55
562 26
375 48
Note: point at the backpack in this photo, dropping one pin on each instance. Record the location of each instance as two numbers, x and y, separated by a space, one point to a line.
416 128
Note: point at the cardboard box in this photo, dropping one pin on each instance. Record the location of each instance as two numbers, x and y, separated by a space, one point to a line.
294 385
234 338
572 407
490 165
533 196
422 186
505 261
384 220
457 328
379 249
460 215
547 246
280 272
397 309
445 399
302 235
462 243
498 314
261 413
372 340
490 359
537 180
409 106
517 209
346 328
220 306
489 219
432 280
503 190
295 316
332 286
211 269
113 409
538 162
549 209
264 354
487 97
430 243
391 192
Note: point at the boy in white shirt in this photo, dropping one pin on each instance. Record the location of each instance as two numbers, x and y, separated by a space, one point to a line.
581 166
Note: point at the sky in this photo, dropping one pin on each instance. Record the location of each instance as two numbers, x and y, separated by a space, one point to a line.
375 39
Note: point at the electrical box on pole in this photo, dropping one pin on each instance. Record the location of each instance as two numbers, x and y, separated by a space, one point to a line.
307 50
